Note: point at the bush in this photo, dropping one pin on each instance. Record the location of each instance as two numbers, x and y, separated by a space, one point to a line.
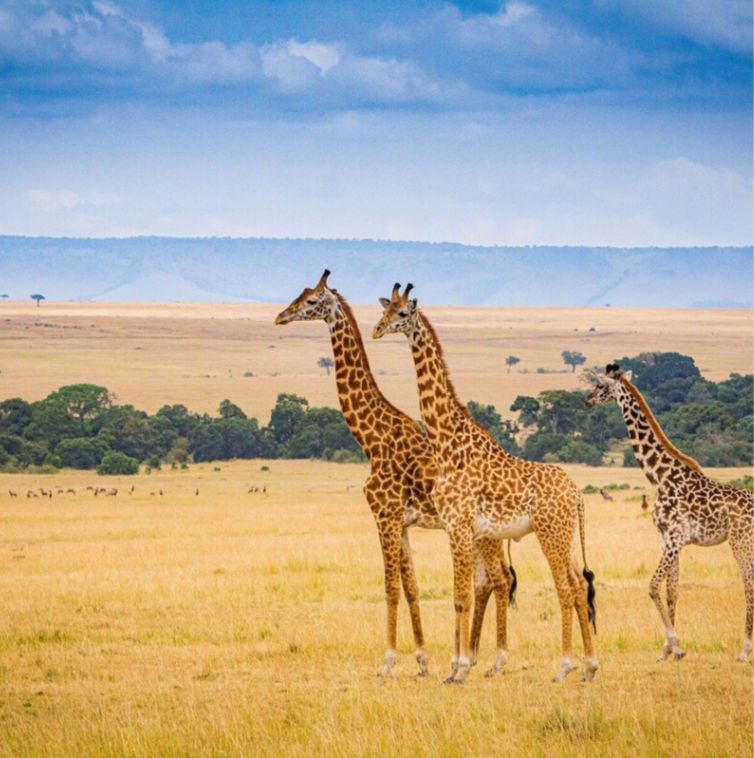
115 462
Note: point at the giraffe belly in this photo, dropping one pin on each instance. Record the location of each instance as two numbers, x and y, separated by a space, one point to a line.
515 529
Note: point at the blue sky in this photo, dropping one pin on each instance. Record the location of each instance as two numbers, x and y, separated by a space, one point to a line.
611 122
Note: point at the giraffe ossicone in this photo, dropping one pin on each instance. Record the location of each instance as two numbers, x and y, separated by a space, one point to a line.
690 508
483 493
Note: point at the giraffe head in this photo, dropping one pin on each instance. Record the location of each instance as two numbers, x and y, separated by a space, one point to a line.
606 385
400 315
313 304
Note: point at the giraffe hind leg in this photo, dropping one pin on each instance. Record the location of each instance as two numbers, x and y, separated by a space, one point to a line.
743 551
667 570
496 569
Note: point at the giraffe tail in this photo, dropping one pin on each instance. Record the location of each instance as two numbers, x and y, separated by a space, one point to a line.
514 583
590 592
588 575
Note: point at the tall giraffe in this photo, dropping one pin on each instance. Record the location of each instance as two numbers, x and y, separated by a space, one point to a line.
402 468
483 493
691 508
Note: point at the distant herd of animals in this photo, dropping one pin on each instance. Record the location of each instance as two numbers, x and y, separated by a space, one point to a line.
454 476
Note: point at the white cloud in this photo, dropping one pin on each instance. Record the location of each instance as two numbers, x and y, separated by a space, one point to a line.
321 55
292 72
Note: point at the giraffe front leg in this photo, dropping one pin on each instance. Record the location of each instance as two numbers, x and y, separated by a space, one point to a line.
411 592
461 551
390 542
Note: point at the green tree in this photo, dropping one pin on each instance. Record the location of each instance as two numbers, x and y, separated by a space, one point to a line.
502 430
127 430
229 410
528 410
206 442
81 403
37 297
81 452
15 415
285 417
559 410
573 359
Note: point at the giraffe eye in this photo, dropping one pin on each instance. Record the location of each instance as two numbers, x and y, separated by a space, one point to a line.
402 314
311 301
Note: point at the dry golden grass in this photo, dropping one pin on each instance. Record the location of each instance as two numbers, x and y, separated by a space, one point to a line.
231 622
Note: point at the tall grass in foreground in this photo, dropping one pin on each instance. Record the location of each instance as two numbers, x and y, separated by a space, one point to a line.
236 623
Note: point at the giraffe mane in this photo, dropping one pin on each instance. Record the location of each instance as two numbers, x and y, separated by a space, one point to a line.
671 448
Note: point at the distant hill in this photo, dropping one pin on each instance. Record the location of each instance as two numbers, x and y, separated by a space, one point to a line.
275 270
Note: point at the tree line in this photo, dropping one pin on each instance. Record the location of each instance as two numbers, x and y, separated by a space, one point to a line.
80 426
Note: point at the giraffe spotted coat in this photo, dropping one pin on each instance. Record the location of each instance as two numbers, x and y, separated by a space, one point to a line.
690 509
483 493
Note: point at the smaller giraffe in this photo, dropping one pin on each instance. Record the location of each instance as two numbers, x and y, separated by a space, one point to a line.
691 508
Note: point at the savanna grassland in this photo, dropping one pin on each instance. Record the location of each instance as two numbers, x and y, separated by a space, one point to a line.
237 608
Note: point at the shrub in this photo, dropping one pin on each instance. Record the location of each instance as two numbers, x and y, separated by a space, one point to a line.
115 462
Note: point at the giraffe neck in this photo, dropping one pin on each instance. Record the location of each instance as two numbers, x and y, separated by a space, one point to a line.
656 455
438 401
359 396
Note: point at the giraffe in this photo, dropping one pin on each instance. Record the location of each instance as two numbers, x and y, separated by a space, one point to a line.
402 469
690 509
482 493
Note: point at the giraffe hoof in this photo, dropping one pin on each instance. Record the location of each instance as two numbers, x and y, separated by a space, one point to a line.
678 654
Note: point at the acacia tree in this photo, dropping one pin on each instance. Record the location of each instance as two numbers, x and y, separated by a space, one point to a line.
37 297
326 363
573 359
511 361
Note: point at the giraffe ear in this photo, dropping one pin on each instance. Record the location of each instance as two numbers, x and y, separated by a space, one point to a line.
627 375
384 302
412 304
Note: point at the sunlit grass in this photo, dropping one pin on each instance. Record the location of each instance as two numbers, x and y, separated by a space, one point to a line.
231 623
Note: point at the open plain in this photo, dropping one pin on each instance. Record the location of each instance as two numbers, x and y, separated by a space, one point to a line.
236 608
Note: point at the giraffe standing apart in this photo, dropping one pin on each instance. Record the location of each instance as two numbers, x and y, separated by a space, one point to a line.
484 493
402 465
691 508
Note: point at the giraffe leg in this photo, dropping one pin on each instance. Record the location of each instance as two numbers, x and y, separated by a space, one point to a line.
566 598
461 552
743 551
390 530
411 592
667 569
501 580
556 545
482 592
